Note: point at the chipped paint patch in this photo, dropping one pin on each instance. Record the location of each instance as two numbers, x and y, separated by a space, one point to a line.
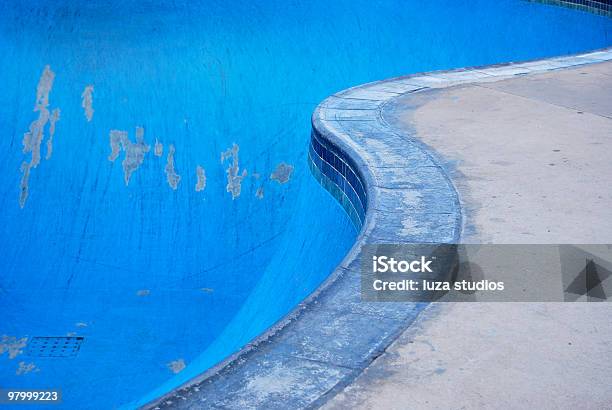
234 177
282 173
134 151
134 154
207 290
25 368
260 193
201 175
143 292
32 139
171 175
12 345
117 139
177 366
87 102
159 148
55 116
23 185
80 324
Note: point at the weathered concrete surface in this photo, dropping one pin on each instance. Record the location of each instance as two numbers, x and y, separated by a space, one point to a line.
531 159
531 156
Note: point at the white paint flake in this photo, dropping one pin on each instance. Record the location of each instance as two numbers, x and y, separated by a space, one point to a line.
87 102
171 175
159 148
201 175
12 345
234 177
134 151
25 368
32 139
176 366
282 173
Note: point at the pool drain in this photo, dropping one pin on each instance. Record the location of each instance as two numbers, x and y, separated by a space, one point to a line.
54 346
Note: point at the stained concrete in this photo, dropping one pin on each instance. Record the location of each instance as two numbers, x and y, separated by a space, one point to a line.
530 158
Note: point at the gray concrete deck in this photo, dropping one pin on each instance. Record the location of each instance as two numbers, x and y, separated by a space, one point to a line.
531 159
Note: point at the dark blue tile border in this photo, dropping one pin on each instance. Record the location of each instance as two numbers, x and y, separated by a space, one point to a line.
338 175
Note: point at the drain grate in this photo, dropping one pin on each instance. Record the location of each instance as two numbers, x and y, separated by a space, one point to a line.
50 346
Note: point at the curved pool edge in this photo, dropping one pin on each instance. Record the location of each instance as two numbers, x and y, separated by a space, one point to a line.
331 336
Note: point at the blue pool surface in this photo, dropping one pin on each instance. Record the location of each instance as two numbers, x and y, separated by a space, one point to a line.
159 212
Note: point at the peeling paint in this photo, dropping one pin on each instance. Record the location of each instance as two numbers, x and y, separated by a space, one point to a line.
80 324
134 154
207 290
55 116
282 173
177 366
201 175
260 193
228 153
159 148
32 139
87 102
23 185
171 175
234 177
143 292
25 368
12 345
117 140
134 151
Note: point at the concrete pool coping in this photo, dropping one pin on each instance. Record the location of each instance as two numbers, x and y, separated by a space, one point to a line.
327 340
530 158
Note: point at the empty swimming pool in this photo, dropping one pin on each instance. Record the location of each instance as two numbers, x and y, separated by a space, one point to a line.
158 212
